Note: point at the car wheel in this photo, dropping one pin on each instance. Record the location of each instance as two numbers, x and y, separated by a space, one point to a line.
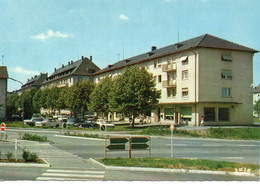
57 125
103 127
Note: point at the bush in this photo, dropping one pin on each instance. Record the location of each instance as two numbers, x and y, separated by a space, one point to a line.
34 137
9 155
29 156
0 154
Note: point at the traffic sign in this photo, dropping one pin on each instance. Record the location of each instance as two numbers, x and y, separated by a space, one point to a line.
172 127
3 127
116 147
118 140
139 140
139 146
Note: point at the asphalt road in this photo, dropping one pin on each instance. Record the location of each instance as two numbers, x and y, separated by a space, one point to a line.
69 157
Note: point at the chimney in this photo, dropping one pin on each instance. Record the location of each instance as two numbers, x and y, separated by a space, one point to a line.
82 57
62 66
153 48
90 58
68 63
71 62
55 69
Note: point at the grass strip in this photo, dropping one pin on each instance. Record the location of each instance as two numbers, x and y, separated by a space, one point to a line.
178 163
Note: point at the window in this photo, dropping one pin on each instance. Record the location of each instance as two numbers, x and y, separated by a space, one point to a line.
171 92
209 114
169 113
185 74
185 92
226 57
155 64
226 74
226 92
223 114
159 79
186 113
185 60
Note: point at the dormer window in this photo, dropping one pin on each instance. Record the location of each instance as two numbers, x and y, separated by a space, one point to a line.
226 57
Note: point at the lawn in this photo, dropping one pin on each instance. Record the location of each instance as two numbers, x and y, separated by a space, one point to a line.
177 163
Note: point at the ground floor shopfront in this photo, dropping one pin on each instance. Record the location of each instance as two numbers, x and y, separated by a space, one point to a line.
213 114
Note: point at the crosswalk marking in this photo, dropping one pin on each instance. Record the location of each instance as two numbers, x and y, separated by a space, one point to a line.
76 171
71 175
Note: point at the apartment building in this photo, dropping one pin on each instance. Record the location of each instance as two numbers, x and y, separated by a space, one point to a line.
67 75
256 97
3 91
33 82
203 76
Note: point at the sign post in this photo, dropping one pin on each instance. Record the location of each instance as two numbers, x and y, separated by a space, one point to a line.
172 128
3 127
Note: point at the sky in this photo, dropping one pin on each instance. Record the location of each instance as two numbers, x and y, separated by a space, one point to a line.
37 36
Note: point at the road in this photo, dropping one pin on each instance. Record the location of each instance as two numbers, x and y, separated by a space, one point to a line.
69 157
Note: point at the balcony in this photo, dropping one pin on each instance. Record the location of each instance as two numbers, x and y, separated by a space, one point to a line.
169 67
169 83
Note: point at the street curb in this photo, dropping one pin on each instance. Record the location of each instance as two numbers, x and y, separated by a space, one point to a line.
46 164
172 170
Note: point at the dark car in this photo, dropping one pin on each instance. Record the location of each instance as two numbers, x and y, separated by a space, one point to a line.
89 124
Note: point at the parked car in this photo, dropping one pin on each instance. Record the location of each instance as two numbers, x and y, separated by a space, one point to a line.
63 118
103 125
73 122
89 123
48 122
31 122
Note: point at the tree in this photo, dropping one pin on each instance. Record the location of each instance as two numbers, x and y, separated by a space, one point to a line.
257 107
99 97
77 96
25 102
12 105
134 92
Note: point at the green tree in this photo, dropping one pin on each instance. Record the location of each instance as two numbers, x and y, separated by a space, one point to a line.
257 107
77 96
61 100
134 92
99 97
12 105
25 102
52 98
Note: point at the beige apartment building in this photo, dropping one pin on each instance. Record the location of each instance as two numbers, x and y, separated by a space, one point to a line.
203 76
3 91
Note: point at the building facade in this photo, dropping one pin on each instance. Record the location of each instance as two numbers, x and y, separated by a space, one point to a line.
256 97
203 76
3 92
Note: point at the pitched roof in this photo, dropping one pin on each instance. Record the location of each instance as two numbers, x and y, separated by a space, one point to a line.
206 41
3 72
35 81
82 67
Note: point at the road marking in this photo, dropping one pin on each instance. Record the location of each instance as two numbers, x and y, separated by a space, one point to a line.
180 145
76 137
73 175
62 179
76 171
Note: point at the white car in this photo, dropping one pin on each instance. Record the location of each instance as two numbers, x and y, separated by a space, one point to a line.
103 125
49 122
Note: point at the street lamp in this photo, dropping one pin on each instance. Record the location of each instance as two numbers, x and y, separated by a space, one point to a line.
23 97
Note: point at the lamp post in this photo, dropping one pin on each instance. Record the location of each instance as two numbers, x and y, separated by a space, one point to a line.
23 97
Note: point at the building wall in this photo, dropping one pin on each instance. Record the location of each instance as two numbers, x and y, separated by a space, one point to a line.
3 94
211 82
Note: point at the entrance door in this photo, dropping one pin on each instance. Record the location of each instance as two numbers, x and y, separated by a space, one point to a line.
159 114
177 117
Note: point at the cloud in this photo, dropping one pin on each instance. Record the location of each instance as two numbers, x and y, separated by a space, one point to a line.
20 70
51 34
123 17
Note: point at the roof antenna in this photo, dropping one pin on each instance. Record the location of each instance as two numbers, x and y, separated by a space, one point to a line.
123 50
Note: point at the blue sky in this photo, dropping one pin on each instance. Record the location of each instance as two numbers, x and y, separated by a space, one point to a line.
40 35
